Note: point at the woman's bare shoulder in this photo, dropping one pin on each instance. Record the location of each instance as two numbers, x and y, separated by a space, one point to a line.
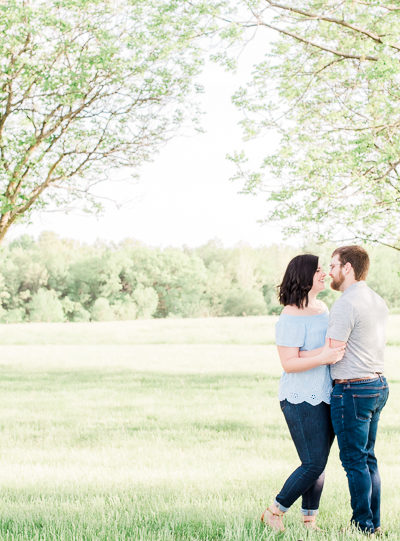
292 310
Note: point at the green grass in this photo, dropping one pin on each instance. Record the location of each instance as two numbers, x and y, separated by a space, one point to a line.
228 330
106 437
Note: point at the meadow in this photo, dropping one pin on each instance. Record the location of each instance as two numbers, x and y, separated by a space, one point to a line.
160 430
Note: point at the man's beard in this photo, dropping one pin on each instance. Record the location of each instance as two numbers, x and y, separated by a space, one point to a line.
335 284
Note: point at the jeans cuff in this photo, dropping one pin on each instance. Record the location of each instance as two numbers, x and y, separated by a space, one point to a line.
309 512
281 507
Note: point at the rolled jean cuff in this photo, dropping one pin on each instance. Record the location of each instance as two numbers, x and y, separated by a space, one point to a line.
280 506
309 512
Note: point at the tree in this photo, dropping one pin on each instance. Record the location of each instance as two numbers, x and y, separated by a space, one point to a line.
180 284
241 302
146 299
125 310
330 88
74 310
45 306
102 310
87 86
24 274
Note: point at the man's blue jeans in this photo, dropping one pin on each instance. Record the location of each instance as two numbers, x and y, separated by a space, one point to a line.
312 433
355 409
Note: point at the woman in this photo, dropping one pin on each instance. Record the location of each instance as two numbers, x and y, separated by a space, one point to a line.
305 386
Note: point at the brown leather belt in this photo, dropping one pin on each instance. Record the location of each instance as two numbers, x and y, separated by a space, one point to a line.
355 379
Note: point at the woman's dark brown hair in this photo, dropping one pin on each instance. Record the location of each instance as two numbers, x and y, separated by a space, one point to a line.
298 280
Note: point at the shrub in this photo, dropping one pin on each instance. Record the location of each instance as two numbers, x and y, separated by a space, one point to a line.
102 311
146 299
74 310
45 306
242 302
16 315
125 310
79 313
275 310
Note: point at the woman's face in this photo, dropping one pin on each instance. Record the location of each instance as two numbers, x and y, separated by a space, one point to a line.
318 280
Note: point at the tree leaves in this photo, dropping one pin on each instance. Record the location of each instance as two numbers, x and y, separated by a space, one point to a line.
330 88
85 86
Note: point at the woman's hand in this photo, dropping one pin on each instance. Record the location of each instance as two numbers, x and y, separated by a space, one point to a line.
292 359
332 355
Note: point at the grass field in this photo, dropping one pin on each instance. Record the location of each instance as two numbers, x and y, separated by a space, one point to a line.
160 430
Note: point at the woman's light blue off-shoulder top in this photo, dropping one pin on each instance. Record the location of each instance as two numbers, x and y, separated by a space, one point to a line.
305 332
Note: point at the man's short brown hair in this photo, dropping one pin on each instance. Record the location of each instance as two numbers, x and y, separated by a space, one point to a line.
357 257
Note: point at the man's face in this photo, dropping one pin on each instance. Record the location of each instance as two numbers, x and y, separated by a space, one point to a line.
336 273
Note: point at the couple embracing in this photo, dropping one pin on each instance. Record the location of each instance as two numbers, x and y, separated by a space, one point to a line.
332 384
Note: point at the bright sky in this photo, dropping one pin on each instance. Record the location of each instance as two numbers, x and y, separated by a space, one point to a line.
185 196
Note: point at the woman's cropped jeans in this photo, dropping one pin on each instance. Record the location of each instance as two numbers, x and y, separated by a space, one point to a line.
356 408
311 430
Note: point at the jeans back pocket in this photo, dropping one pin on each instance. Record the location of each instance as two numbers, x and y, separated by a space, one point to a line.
365 405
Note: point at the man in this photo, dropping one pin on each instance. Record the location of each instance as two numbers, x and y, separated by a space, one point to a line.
358 319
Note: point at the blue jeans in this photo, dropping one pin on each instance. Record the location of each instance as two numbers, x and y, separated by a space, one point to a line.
312 433
355 409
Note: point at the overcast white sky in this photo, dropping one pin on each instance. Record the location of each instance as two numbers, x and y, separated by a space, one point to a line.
185 196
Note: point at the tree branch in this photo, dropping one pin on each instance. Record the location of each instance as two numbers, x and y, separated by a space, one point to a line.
317 45
387 7
36 192
341 22
70 116
389 170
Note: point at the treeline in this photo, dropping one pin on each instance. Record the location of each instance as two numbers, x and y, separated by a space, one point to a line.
54 279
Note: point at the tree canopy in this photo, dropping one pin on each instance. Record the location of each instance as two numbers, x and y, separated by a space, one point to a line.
55 279
330 88
87 86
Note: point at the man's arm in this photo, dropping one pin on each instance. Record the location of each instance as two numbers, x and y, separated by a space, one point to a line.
341 323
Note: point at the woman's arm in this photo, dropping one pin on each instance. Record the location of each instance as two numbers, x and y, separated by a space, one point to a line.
292 361
310 353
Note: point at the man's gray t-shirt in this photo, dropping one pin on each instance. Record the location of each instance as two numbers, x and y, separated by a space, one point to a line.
359 318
